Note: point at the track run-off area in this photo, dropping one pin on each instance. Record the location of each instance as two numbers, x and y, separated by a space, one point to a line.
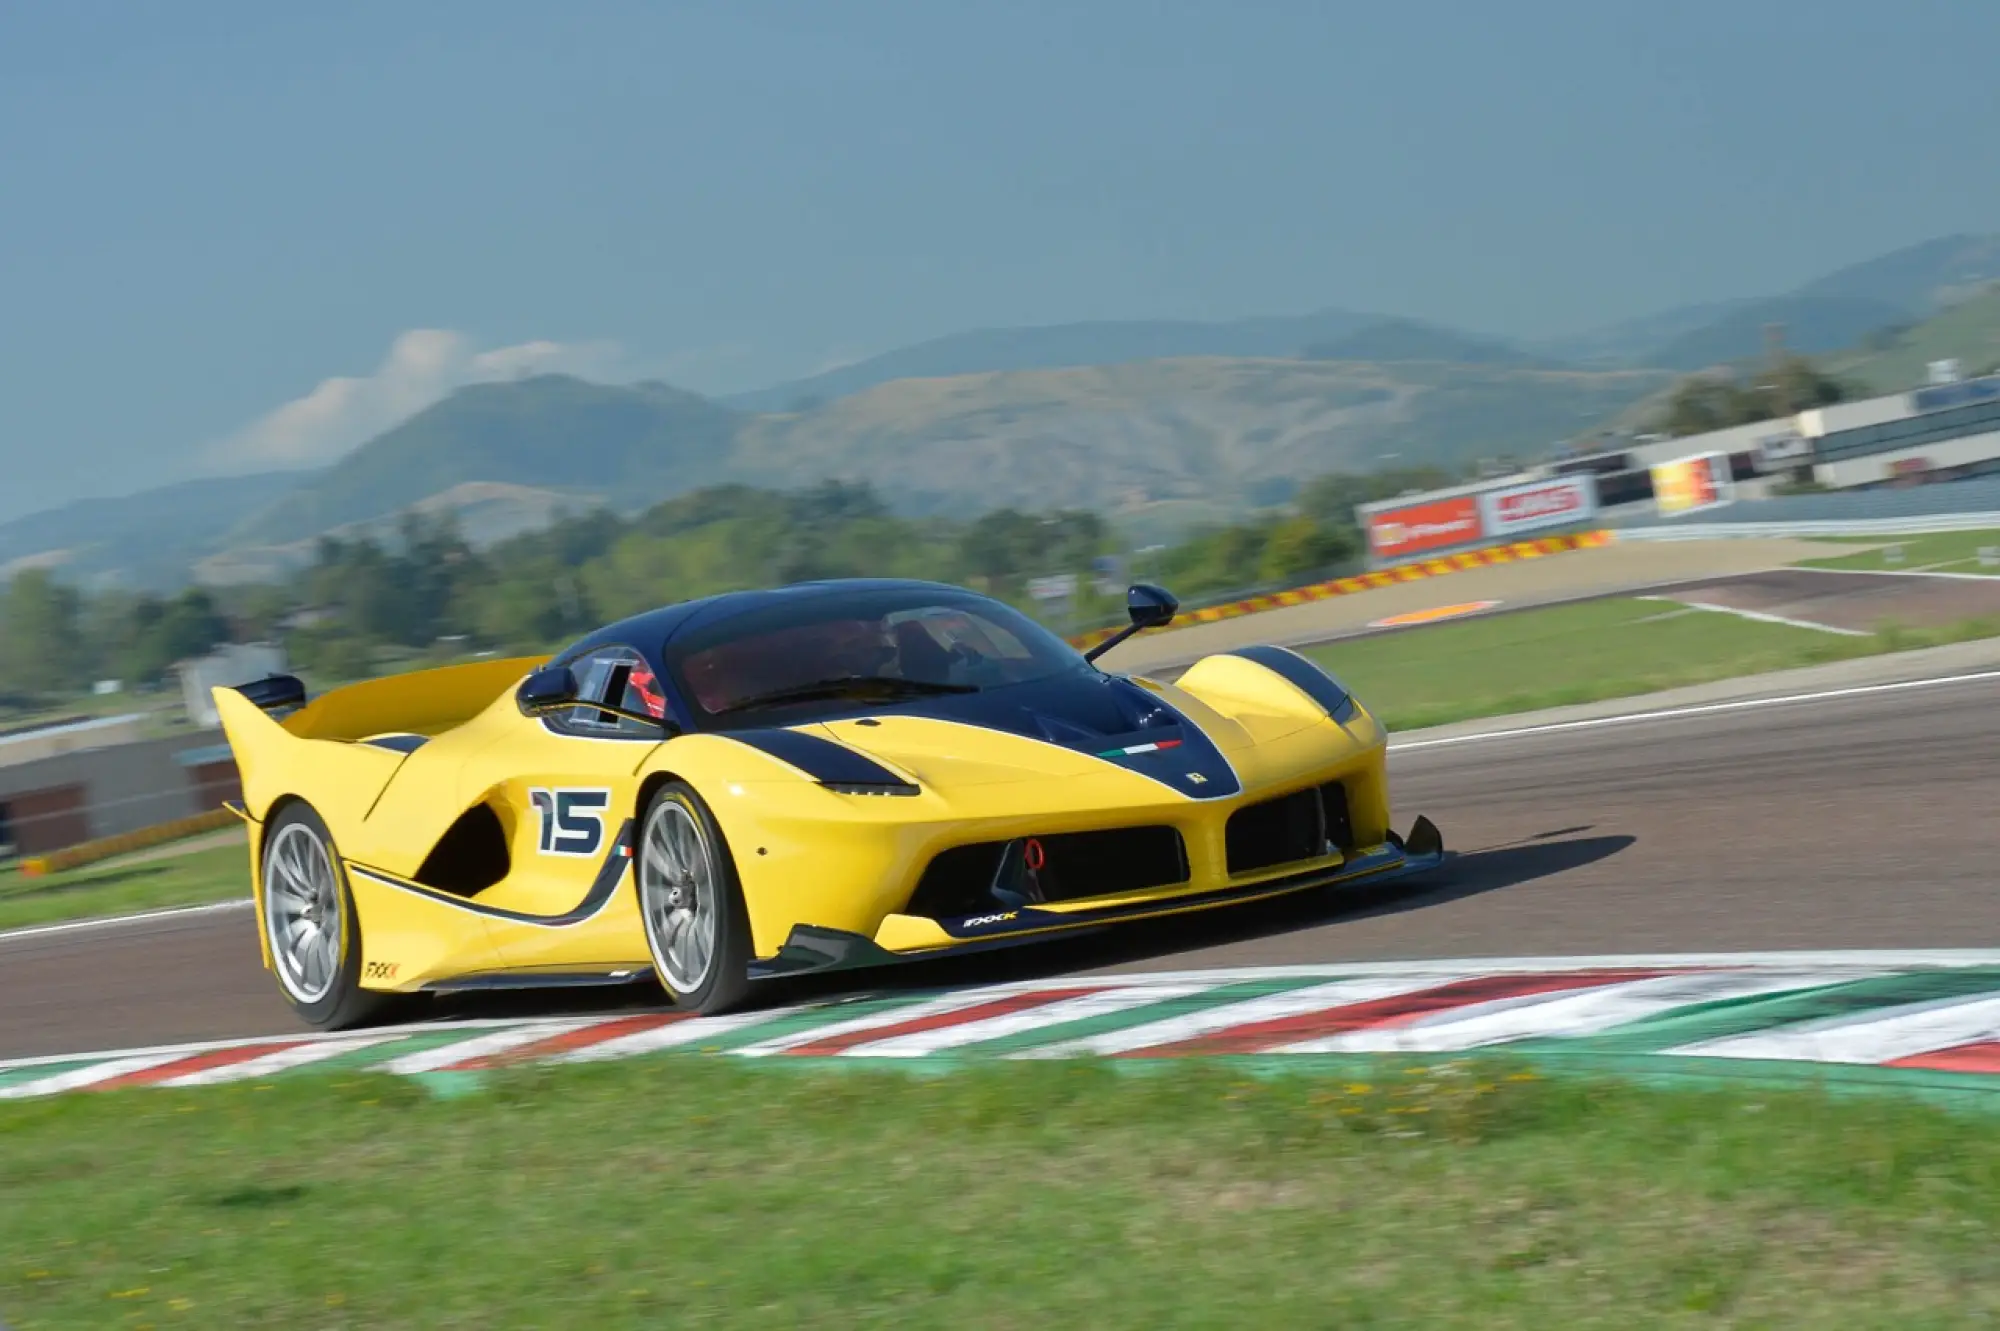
1763 886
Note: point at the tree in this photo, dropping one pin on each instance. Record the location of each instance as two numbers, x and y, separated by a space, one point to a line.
1301 545
39 643
1706 402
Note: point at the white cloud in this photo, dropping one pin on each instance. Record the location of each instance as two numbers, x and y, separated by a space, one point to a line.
423 365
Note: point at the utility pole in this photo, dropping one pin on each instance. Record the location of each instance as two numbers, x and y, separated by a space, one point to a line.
1774 365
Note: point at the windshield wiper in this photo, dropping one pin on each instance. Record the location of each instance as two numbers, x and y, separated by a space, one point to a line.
845 685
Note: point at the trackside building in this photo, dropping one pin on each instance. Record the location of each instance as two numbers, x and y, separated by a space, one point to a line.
1933 434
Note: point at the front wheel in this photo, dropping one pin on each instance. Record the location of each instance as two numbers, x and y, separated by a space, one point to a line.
696 927
310 923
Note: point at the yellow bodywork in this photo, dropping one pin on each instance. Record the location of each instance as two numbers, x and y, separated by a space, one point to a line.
806 855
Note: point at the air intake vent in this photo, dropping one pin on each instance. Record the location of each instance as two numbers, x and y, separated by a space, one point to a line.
1067 866
1291 828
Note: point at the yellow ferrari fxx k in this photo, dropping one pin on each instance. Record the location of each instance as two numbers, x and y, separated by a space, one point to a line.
823 775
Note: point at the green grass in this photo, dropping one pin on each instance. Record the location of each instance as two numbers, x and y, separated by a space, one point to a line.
1583 653
148 880
686 1192
1941 552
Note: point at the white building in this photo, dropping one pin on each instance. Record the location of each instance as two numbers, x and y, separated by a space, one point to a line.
236 663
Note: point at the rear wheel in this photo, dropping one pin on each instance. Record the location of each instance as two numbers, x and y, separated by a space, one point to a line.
696 926
310 923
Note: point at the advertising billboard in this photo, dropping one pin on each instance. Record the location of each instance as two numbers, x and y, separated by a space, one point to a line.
1412 530
1518 509
1689 485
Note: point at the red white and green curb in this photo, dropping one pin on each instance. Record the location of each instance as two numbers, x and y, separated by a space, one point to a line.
1920 1021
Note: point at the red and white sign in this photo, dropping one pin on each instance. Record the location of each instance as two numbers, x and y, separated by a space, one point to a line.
1433 526
1538 504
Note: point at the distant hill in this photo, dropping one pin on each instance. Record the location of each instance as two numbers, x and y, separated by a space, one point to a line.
1826 314
1812 325
636 444
1920 279
485 512
1126 438
1060 346
1411 340
1632 341
1968 332
142 540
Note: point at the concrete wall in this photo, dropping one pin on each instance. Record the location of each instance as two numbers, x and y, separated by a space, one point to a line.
28 746
124 787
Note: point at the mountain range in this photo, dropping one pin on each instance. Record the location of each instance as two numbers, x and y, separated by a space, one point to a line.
1160 423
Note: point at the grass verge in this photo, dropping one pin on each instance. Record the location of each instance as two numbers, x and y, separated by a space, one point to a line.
1585 653
680 1191
1940 552
149 880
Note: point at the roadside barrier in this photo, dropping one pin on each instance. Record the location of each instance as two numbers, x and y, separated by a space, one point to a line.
1512 552
89 852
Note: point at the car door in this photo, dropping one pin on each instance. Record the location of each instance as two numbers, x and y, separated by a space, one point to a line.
570 783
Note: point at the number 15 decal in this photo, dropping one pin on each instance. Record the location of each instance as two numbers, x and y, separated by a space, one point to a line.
572 820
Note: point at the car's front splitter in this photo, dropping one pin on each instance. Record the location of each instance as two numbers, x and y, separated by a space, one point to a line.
812 948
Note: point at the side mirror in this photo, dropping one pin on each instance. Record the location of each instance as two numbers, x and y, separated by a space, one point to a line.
546 690
1150 607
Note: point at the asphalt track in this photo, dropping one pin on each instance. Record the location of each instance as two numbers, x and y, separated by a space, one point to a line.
1852 822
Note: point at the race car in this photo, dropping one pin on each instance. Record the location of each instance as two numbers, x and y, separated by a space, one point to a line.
761 783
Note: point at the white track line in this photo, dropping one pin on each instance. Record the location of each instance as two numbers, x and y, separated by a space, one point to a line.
1696 709
1764 617
1929 572
120 921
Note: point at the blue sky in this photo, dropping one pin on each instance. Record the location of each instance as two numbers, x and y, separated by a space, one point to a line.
218 217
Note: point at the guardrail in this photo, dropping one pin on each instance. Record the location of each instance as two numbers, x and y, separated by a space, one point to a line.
1917 526
103 848
1511 552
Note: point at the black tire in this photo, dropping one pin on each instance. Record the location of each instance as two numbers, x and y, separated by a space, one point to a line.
343 1003
724 980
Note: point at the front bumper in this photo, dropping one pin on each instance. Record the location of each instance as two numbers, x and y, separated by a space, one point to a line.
812 948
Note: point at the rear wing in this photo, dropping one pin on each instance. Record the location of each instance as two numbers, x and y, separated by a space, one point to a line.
286 745
419 702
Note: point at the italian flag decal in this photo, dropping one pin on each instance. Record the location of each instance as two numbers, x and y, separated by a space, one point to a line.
1131 749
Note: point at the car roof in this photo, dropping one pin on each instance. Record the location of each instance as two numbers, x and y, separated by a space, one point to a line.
649 630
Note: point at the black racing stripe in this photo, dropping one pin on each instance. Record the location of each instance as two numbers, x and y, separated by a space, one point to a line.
1310 679
609 875
826 762
1193 767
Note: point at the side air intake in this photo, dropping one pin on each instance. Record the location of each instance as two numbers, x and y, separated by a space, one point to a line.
1307 824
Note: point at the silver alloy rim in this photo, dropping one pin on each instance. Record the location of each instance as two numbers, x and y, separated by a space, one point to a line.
302 912
677 892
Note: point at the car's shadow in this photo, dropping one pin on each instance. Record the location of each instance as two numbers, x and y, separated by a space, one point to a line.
1469 874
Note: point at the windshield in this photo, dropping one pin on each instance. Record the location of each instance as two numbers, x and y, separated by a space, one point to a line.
876 644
